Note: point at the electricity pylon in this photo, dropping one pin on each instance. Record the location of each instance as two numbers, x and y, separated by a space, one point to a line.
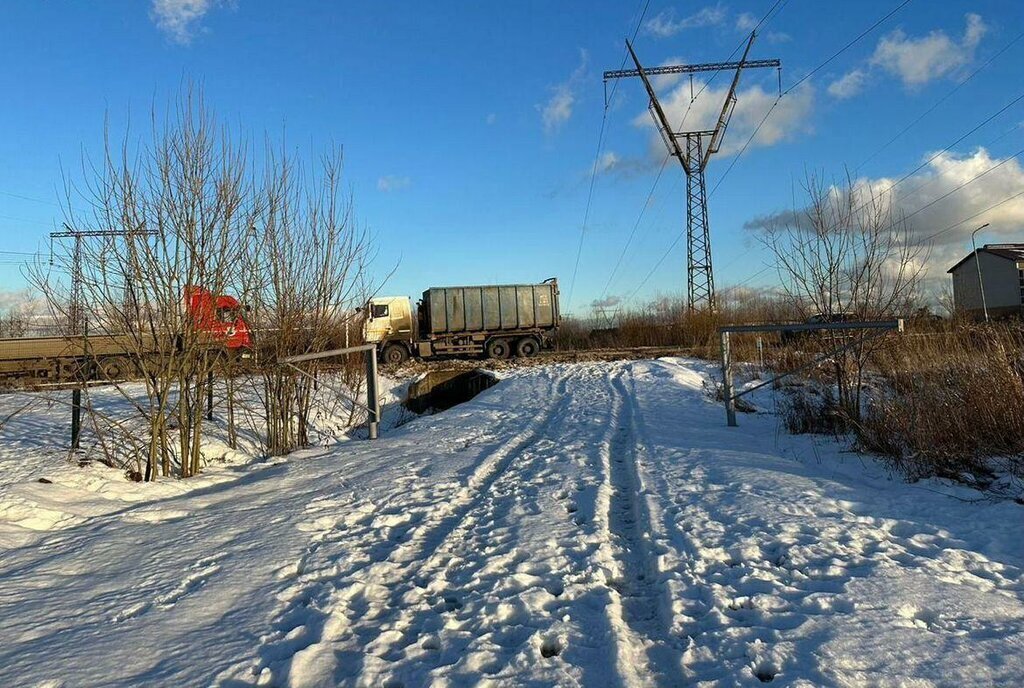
693 154
76 310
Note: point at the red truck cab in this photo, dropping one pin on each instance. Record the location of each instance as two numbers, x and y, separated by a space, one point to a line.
220 315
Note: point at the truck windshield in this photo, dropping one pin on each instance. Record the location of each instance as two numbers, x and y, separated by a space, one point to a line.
227 315
379 310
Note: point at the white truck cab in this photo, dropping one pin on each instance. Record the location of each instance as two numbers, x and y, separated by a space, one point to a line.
388 318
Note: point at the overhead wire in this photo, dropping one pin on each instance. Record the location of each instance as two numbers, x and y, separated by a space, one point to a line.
597 162
959 140
939 102
953 226
768 16
904 130
805 77
849 45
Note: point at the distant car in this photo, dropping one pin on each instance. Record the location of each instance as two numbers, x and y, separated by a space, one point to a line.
793 336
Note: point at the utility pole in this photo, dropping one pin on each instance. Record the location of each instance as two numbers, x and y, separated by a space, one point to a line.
76 309
693 153
977 262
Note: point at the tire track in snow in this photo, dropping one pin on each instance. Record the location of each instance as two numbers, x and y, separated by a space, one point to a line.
360 600
457 564
646 651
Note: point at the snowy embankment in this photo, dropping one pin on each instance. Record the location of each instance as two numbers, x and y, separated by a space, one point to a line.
586 524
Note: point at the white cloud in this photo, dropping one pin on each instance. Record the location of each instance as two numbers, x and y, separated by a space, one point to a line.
608 161
663 81
665 24
390 182
917 61
558 109
789 118
849 85
918 199
746 22
944 174
12 300
607 302
179 18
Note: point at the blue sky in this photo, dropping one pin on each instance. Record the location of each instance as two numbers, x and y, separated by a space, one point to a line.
470 129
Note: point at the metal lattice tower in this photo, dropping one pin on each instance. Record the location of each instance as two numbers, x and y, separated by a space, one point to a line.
700 282
76 309
694 156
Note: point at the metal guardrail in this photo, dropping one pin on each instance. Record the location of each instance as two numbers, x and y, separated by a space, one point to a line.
372 385
881 327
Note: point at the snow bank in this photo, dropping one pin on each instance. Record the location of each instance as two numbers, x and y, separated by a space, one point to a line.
584 524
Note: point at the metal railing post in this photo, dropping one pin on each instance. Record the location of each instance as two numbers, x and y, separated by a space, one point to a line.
209 395
730 402
372 405
372 400
76 417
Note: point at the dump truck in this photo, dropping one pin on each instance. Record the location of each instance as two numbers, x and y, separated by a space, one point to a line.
496 321
114 356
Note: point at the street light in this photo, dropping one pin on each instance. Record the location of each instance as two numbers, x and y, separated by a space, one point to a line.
977 261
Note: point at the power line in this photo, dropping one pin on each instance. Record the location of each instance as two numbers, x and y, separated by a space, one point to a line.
768 113
968 219
969 181
959 140
849 45
22 219
947 149
28 198
732 163
772 12
636 224
597 162
797 83
941 100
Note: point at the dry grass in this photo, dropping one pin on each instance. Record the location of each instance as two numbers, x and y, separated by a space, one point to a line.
950 403
668 322
943 399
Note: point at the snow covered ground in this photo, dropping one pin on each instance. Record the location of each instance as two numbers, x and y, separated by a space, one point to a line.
579 524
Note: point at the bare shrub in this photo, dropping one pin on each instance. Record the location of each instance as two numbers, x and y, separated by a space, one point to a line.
178 217
302 273
812 409
162 216
845 252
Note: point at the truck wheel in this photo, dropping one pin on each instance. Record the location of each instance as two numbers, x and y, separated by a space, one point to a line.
498 348
395 354
115 368
527 347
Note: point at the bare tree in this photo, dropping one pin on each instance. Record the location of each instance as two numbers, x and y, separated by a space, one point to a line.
847 252
302 272
186 215
173 209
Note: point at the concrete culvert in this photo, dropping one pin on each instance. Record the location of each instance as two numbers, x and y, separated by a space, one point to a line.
442 389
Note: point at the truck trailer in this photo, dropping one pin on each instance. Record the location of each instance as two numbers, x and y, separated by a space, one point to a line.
493 320
217 317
